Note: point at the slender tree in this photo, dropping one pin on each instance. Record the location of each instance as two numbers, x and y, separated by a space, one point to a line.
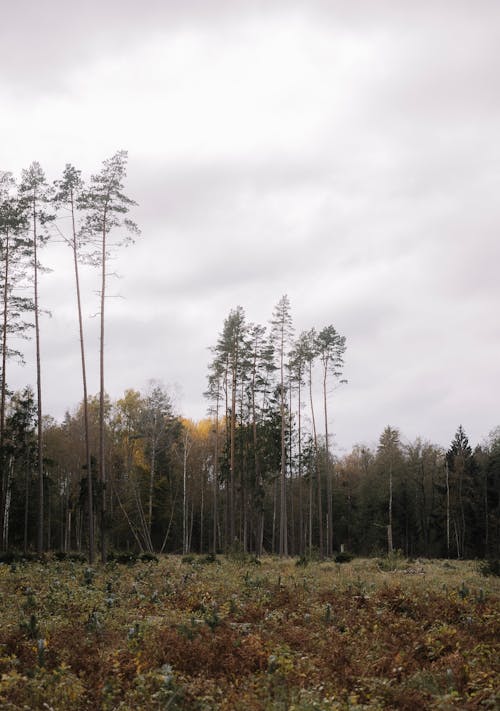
282 330
330 347
389 452
309 346
298 365
462 468
14 307
157 415
229 355
106 208
68 196
215 394
35 194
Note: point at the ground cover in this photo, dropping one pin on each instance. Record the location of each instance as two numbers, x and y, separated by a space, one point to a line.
202 633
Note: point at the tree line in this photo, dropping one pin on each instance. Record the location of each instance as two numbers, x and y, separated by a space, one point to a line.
92 219
259 474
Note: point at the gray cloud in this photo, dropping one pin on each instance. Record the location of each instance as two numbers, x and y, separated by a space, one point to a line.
343 153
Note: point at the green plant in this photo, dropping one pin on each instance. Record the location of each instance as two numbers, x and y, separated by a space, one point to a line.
490 567
392 562
344 557
31 628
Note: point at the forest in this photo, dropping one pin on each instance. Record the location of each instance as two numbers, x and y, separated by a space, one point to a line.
258 475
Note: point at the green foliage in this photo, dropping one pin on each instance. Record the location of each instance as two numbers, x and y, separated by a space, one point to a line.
344 557
88 576
324 636
148 558
31 628
490 567
392 562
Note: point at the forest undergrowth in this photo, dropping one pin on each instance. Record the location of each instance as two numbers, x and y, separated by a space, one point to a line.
206 632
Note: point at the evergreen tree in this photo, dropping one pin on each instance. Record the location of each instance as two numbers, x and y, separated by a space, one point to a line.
462 468
389 458
68 196
14 306
35 195
106 208
330 347
281 332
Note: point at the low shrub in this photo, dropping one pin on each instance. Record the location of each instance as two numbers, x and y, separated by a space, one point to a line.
490 567
148 557
344 557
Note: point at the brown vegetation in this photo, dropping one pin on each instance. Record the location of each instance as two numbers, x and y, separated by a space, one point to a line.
225 634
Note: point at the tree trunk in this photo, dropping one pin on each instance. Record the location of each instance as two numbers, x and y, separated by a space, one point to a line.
152 474
328 473
26 504
4 477
90 496
389 527
283 538
216 475
184 497
317 467
102 466
447 510
38 389
232 515
299 472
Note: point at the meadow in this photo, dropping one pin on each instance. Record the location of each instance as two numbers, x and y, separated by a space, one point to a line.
206 632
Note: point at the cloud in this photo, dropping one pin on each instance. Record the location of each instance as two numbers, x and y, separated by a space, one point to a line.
343 153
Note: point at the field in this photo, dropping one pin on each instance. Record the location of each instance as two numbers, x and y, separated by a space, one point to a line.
234 633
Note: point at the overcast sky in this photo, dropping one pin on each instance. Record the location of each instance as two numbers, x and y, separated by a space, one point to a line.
344 153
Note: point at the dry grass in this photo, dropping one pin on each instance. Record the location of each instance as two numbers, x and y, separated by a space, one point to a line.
386 634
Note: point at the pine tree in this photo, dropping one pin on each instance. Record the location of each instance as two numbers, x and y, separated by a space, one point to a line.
281 331
330 347
14 307
106 208
68 196
389 453
35 195
462 468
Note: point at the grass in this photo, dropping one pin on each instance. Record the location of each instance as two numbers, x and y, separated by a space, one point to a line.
207 633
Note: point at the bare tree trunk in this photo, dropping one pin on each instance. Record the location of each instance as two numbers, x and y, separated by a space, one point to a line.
447 510
316 464
273 538
185 543
216 475
301 507
102 464
172 512
232 514
90 496
283 537
310 514
328 473
38 389
3 491
291 487
389 527
8 498
49 518
26 504
486 521
152 474
202 512
131 525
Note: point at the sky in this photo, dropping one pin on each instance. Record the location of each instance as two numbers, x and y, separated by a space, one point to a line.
346 154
